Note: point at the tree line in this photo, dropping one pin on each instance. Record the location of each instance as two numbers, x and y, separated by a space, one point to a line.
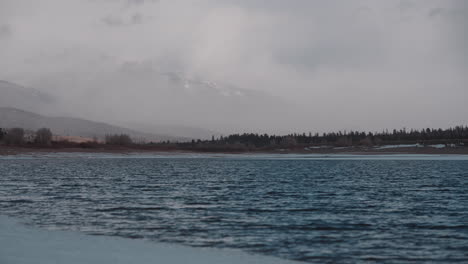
44 137
251 141
18 136
457 136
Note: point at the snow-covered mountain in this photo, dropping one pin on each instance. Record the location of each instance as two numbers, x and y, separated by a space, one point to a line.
31 109
198 85
159 102
162 97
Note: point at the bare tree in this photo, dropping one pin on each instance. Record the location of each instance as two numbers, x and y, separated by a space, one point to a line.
43 136
288 141
367 141
15 136
2 133
343 141
122 139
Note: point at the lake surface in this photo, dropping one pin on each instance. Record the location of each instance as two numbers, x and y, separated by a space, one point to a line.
318 210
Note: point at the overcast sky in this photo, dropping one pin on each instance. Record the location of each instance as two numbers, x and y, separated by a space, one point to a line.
362 64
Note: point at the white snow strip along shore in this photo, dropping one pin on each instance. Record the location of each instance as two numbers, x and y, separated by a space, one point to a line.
20 244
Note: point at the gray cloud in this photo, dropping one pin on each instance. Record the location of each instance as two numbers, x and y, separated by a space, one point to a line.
113 21
366 64
5 31
455 18
437 11
119 21
139 2
459 18
137 18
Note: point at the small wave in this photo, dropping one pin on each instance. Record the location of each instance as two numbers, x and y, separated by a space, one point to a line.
258 210
113 209
330 228
302 210
17 201
437 227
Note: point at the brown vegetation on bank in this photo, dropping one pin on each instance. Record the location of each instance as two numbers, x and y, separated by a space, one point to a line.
450 141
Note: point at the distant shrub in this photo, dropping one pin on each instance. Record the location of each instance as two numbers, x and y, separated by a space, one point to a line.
14 136
343 142
121 140
289 141
367 141
87 145
43 136
2 133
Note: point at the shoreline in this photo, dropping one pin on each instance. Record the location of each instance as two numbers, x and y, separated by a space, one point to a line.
13 151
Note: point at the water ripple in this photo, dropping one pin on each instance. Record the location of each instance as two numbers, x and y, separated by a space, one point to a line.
318 211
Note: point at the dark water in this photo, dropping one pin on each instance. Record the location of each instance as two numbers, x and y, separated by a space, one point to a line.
320 211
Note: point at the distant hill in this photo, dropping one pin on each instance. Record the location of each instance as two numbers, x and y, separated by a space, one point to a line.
29 99
178 131
152 96
35 101
67 126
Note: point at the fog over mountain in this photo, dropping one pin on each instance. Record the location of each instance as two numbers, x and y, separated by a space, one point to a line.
67 126
26 108
223 66
16 96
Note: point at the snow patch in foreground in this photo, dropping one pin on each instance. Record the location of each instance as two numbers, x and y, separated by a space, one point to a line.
21 244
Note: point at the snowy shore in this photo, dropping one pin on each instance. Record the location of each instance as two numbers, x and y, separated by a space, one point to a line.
20 244
438 149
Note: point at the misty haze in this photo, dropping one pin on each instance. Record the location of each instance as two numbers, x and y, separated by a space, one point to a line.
263 131
242 66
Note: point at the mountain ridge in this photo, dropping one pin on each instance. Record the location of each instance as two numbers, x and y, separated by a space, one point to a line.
36 101
70 126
